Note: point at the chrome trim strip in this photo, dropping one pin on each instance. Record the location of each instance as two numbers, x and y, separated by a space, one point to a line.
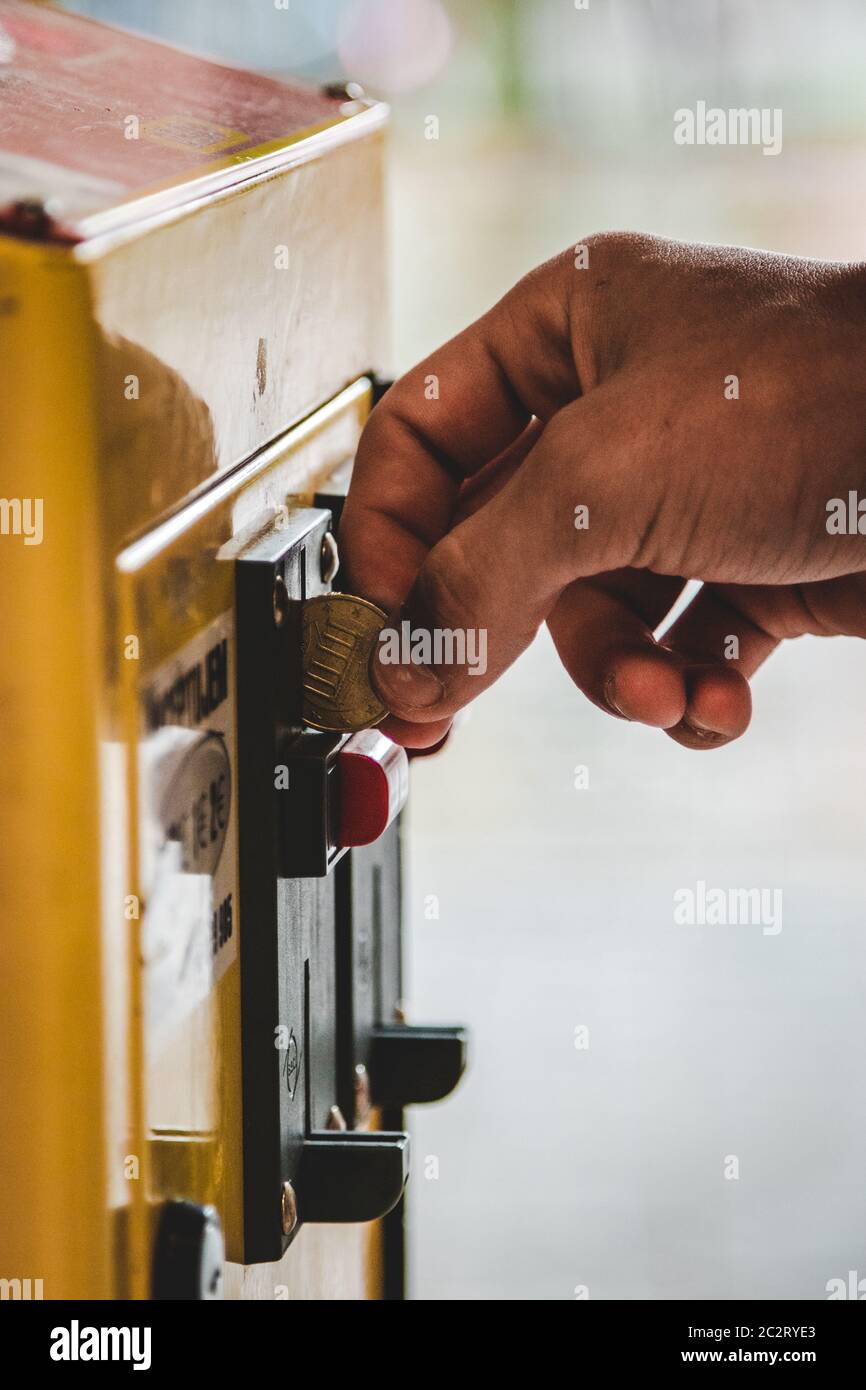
140 552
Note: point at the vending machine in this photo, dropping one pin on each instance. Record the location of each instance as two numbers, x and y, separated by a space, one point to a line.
205 1061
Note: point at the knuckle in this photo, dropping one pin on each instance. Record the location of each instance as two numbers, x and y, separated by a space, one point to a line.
618 248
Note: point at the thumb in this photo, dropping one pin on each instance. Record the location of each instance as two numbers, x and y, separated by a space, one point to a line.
486 587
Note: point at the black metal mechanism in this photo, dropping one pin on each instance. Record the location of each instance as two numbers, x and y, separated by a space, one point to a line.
413 1065
287 909
334 492
353 1176
307 842
323 1037
381 1060
188 1253
381 384
426 1063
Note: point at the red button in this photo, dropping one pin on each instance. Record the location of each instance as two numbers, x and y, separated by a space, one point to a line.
374 783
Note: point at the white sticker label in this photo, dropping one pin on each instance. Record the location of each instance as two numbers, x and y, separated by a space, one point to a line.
188 828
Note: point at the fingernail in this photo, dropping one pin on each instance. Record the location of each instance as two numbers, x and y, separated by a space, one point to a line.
407 686
700 731
609 692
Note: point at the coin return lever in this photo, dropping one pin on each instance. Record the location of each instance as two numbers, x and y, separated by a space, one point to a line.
342 791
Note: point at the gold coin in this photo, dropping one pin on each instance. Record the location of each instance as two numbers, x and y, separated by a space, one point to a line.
339 635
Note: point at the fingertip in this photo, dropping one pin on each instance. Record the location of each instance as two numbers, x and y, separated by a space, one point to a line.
646 687
415 736
408 689
718 710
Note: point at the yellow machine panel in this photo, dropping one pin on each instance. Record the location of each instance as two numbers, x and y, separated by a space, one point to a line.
183 363
205 1061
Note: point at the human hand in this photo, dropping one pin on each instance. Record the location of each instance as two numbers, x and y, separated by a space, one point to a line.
703 404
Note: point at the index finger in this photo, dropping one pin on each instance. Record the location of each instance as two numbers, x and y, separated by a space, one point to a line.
446 418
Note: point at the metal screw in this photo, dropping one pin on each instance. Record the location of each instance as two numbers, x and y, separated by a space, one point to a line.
288 1209
330 557
345 91
362 1094
281 601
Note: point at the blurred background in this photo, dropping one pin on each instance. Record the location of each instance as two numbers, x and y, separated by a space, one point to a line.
620 1062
